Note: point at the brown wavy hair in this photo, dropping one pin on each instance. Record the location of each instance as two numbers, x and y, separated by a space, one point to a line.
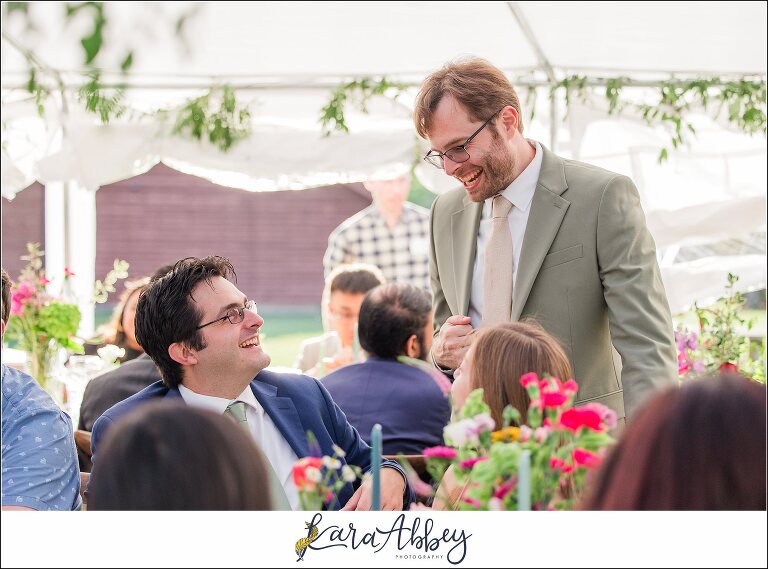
502 354
480 87
699 447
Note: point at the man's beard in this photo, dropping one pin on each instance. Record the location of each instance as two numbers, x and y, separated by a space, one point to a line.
498 171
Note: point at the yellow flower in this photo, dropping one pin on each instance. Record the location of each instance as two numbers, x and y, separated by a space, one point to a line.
507 434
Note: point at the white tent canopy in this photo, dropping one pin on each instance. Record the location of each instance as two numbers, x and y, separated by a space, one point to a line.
285 57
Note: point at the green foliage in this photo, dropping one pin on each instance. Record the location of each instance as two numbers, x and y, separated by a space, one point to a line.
97 100
95 39
223 126
60 322
358 91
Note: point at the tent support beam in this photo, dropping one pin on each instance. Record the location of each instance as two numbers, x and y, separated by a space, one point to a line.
544 63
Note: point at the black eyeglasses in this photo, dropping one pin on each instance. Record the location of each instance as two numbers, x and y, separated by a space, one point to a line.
234 315
459 153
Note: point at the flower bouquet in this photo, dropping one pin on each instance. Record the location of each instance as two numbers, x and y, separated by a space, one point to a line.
319 479
541 465
43 324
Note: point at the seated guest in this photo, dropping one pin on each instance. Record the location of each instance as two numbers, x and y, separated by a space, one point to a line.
115 385
166 456
498 358
395 320
39 458
344 291
697 447
203 335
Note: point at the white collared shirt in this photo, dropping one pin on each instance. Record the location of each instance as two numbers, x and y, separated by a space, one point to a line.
520 193
265 433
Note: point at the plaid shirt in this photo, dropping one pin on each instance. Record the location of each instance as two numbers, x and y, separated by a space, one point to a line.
402 253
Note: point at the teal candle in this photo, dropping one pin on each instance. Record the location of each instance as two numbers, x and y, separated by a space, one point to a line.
376 466
524 481
356 348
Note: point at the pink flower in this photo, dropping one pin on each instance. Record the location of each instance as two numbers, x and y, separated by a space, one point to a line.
525 433
560 464
68 273
505 488
300 471
472 502
541 434
607 415
440 452
573 419
470 462
553 400
528 379
43 280
585 458
570 386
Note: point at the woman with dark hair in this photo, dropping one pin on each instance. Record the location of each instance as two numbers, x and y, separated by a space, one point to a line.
498 358
700 447
168 456
120 330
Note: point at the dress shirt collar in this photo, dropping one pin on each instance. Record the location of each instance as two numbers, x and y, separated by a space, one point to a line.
218 404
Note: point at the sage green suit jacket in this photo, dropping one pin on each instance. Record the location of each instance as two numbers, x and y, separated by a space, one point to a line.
587 273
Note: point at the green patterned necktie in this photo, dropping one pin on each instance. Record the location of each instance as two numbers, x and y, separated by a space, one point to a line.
236 410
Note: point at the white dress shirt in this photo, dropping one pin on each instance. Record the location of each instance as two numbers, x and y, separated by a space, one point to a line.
265 433
520 193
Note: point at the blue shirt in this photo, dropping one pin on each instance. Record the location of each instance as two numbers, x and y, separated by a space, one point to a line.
40 468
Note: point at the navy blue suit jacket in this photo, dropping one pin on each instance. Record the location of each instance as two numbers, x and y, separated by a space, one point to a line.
405 400
295 403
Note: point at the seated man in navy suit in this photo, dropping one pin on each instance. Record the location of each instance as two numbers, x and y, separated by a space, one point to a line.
395 320
203 335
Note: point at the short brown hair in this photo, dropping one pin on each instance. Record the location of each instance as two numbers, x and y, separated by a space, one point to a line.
504 353
355 278
699 447
479 86
6 295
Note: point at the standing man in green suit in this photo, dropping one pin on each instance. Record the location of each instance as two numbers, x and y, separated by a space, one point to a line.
534 235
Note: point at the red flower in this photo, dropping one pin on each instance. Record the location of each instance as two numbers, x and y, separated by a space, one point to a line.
585 458
528 379
560 464
553 400
300 478
470 462
572 419
440 452
728 367
43 280
68 273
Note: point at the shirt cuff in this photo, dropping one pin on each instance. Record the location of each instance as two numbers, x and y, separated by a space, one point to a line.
445 370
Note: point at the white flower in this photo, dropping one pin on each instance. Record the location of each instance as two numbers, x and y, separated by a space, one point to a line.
484 422
348 474
458 434
313 474
338 451
495 504
110 353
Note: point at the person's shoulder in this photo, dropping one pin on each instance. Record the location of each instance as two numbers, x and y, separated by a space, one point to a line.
149 393
416 210
450 201
360 218
583 176
142 366
22 393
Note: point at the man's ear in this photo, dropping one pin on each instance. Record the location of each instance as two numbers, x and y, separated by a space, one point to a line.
412 347
182 354
510 119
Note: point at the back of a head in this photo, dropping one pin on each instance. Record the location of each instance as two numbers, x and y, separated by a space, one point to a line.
168 456
504 353
166 314
390 314
480 87
6 291
699 447
355 278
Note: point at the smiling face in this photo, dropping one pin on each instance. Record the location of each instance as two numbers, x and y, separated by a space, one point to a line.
233 353
491 165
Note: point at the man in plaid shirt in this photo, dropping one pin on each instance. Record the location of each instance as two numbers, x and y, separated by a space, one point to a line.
391 233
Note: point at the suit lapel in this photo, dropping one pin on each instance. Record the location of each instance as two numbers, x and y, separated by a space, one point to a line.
547 212
283 413
465 224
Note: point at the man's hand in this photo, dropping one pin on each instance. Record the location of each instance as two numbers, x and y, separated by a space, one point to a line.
453 341
392 492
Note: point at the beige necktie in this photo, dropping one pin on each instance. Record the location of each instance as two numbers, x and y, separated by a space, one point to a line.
236 410
497 274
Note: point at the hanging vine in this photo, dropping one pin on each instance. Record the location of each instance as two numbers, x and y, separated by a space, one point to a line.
359 92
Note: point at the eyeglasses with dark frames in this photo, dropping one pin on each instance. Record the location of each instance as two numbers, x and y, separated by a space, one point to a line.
459 153
235 315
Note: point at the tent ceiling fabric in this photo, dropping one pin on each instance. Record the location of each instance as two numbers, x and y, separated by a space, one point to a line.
713 189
